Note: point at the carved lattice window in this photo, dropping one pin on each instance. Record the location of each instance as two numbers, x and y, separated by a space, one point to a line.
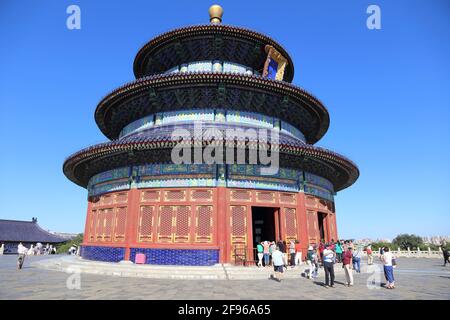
145 227
201 195
291 224
150 195
120 223
165 223
240 195
182 224
107 224
203 231
177 195
121 197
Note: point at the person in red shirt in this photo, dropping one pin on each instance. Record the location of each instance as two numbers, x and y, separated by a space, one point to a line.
321 248
298 253
369 255
347 265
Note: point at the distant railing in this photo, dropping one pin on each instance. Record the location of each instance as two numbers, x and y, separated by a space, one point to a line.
413 253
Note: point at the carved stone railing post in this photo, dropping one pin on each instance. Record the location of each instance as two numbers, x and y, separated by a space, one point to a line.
429 251
409 252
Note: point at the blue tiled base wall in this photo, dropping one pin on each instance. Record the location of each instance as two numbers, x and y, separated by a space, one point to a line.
186 257
109 254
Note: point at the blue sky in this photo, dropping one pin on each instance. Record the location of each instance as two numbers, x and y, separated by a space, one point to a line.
387 92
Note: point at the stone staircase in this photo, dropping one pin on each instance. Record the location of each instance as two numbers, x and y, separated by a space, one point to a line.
72 264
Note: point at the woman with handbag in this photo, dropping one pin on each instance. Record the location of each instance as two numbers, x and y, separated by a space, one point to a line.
388 261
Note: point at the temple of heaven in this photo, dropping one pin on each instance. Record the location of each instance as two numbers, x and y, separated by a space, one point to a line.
221 79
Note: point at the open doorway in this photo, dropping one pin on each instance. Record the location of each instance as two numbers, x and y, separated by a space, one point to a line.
321 217
263 224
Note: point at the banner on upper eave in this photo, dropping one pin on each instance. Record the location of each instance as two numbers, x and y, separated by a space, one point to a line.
275 64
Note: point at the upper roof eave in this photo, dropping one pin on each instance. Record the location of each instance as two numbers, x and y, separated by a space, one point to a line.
206 29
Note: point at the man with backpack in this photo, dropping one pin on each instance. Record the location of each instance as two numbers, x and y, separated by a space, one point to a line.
278 264
328 265
357 260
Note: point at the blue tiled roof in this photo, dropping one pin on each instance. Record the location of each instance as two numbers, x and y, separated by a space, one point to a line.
25 231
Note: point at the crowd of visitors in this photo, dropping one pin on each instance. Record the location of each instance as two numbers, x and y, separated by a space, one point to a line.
34 250
324 256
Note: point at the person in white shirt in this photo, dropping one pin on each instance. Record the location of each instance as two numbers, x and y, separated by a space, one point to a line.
328 265
278 264
30 251
22 251
357 260
387 258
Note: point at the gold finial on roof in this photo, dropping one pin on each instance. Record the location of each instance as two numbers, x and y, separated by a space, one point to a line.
215 14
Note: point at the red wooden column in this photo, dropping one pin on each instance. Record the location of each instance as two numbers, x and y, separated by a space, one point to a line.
132 220
333 208
249 221
221 223
86 224
302 225
282 223
276 219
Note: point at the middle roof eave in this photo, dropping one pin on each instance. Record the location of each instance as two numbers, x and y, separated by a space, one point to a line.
181 91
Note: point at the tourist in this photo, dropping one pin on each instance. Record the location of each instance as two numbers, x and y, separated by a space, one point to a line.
338 250
298 253
38 248
310 255
272 248
73 250
347 264
22 251
446 254
369 255
30 251
278 263
321 248
328 264
332 244
387 259
292 253
285 254
344 245
282 248
260 252
315 263
357 259
266 253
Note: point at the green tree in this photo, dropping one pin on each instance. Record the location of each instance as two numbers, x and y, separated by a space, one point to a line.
64 247
377 245
405 241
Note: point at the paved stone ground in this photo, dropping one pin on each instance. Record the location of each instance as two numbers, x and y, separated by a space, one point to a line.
415 279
